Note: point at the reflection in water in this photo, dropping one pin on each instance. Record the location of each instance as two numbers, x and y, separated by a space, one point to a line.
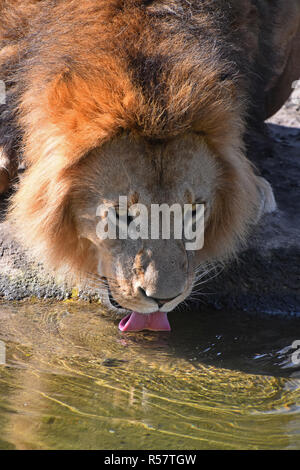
73 380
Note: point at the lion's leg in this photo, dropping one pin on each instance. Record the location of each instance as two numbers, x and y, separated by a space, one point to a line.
8 170
287 41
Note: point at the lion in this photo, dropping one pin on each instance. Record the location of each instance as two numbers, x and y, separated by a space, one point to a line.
151 100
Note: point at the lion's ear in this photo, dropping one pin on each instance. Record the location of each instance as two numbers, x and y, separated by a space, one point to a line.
267 198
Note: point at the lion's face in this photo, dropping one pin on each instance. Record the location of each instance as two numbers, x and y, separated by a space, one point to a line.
147 275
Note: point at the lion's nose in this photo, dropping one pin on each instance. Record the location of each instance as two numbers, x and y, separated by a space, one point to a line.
160 302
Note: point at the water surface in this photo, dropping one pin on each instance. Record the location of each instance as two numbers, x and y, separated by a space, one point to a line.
219 380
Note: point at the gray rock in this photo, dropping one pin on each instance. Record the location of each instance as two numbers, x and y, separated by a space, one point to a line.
21 278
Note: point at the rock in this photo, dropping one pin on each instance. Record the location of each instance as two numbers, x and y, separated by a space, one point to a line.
20 278
266 278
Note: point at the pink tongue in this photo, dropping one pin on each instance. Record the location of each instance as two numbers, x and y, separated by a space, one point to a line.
157 321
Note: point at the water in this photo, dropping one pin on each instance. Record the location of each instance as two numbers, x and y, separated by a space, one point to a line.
219 380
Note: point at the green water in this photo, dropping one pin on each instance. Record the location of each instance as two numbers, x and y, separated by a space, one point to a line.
218 381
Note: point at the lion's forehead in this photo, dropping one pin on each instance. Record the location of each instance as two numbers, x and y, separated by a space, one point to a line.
180 170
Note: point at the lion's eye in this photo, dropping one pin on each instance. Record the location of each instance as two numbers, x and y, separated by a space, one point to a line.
195 207
129 218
